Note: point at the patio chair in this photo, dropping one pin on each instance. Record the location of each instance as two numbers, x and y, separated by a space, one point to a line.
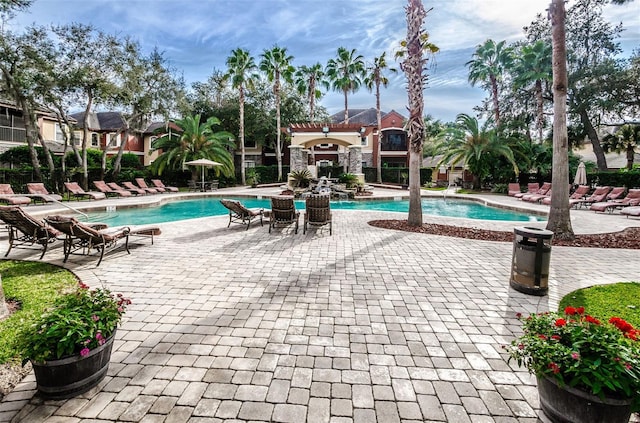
578 194
283 212
75 190
632 199
128 185
631 211
240 214
110 192
39 192
598 196
143 184
513 189
79 236
157 183
9 197
213 185
540 193
133 190
318 212
25 231
532 188
192 186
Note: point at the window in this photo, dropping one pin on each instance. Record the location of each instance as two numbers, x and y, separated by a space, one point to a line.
363 141
249 163
59 134
325 145
325 163
394 141
94 140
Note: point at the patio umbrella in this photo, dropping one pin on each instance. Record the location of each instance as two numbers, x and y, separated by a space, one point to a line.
203 163
581 175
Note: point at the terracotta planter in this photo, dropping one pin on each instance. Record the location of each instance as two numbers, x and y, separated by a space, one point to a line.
570 405
74 375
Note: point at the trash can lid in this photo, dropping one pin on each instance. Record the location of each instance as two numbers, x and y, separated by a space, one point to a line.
531 232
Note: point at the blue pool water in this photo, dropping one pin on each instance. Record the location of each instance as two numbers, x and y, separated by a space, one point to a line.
191 209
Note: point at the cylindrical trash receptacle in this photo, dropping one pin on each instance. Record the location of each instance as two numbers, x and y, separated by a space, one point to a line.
530 263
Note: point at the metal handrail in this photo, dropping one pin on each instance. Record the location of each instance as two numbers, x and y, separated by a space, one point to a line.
53 200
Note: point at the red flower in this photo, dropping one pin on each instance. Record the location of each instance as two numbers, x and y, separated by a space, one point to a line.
569 311
580 310
592 319
518 315
621 324
561 322
553 366
543 337
556 337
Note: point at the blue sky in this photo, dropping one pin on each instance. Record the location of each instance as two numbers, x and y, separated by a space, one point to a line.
198 35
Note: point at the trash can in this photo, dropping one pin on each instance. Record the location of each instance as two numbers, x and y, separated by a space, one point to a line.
530 263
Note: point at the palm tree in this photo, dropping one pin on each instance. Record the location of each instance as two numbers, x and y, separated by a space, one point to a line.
195 140
241 67
277 65
488 64
375 78
345 73
533 65
473 145
626 139
308 80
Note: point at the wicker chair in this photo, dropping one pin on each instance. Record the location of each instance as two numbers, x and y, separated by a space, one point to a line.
25 231
240 214
283 212
318 212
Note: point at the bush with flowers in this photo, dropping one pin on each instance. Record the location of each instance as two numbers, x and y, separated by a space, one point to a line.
578 350
78 322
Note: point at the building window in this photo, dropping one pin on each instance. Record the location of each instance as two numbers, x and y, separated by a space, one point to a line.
325 145
94 140
249 163
394 141
363 141
59 133
324 163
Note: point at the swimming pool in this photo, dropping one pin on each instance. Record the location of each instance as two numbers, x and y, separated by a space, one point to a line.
204 207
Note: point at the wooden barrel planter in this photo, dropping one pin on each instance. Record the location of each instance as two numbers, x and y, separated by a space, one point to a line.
73 375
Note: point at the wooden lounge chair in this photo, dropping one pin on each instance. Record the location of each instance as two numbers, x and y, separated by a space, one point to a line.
39 192
76 191
143 184
128 185
318 212
158 184
25 231
240 214
9 197
134 190
632 199
283 212
513 189
532 188
84 237
110 192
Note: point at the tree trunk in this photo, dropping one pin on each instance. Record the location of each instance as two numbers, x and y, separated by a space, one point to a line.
312 100
379 143
496 104
601 160
4 311
540 103
413 67
346 108
630 156
85 140
276 91
559 214
241 130
31 134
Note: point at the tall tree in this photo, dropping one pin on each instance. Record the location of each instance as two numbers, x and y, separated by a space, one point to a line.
413 67
309 79
487 66
374 79
626 140
533 66
195 140
241 69
345 72
276 63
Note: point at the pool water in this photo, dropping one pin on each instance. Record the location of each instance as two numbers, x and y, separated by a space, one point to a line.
191 209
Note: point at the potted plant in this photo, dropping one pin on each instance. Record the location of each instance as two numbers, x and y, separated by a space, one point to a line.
70 345
587 370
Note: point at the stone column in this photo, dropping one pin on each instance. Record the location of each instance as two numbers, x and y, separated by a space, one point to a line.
297 161
355 159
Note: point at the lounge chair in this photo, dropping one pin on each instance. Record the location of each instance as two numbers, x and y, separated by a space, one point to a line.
130 187
25 231
598 196
240 214
158 184
631 211
532 188
578 194
616 193
317 212
513 189
143 184
110 192
76 191
543 192
133 190
9 197
84 237
283 212
39 192
632 199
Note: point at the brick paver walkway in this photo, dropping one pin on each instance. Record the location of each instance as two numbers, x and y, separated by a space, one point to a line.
367 325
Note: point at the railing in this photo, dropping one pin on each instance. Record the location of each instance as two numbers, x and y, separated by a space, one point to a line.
11 134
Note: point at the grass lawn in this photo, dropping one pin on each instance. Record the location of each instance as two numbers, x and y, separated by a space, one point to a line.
604 301
35 286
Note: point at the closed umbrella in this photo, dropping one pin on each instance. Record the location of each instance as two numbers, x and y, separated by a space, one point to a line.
581 175
203 163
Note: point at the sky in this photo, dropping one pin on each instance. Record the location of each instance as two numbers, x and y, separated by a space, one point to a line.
197 36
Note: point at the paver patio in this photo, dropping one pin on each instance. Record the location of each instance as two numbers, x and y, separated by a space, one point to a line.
367 325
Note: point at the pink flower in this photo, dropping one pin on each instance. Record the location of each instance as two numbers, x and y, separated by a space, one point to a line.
95 318
84 352
575 355
628 366
99 336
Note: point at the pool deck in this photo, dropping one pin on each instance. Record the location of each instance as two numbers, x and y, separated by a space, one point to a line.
366 325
